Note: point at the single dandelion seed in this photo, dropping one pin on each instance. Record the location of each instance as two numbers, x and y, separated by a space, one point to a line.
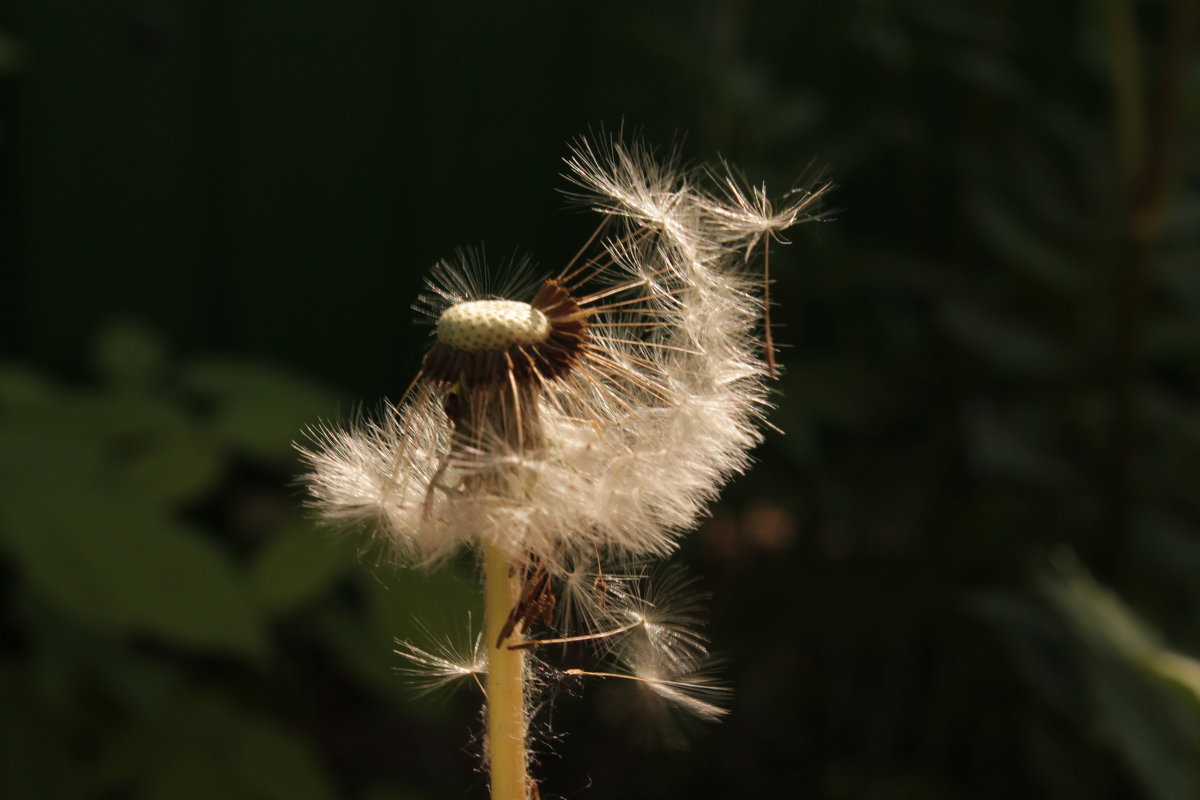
669 610
694 694
446 662
588 593
587 416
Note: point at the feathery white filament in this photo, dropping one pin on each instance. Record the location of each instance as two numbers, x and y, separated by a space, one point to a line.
622 449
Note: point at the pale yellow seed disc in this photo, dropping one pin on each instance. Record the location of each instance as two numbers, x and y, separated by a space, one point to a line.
491 325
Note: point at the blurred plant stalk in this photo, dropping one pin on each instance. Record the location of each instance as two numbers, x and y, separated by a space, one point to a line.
1145 132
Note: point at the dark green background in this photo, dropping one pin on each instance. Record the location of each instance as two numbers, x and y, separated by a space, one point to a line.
971 567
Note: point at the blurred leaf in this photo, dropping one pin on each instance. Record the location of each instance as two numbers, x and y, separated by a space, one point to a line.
22 388
1013 448
129 353
402 604
110 562
122 442
414 604
1140 723
35 757
1125 663
1088 654
1177 417
276 763
73 661
836 391
1003 342
1022 249
154 452
1174 338
1175 271
983 71
298 564
1064 770
206 748
1169 550
1180 671
360 654
260 409
1034 640
10 54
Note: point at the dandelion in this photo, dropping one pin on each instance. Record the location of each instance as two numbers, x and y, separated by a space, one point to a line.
588 417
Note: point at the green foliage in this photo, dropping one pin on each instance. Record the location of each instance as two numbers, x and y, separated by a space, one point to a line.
259 409
1080 647
10 54
99 559
203 747
299 563
141 551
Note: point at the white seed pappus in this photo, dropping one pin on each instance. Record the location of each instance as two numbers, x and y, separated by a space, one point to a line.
599 414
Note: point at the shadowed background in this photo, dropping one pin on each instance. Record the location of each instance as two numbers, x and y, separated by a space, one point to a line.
971 567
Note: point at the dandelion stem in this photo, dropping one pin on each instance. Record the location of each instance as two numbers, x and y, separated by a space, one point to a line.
506 715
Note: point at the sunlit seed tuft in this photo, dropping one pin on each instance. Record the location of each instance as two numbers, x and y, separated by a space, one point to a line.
447 661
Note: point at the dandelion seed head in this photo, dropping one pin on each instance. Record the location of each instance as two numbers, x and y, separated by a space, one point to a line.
563 421
600 409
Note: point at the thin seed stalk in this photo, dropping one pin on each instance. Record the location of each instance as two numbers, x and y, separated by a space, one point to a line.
507 719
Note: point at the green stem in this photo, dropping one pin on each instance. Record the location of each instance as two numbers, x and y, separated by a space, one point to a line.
506 716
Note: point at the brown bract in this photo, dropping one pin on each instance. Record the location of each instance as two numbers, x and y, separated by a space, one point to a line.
528 364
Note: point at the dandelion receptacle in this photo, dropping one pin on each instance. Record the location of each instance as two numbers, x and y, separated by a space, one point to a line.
571 427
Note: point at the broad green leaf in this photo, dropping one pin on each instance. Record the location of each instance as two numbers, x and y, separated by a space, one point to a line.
71 659
361 654
21 388
260 409
414 604
1134 680
206 747
276 763
298 564
128 353
410 605
35 752
124 569
123 442
1179 671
